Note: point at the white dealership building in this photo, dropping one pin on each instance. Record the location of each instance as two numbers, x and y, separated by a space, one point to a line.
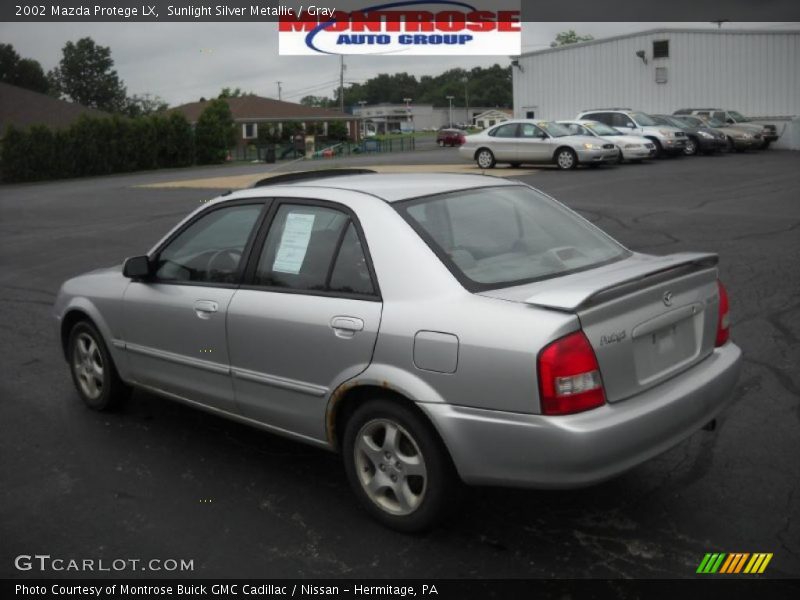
755 72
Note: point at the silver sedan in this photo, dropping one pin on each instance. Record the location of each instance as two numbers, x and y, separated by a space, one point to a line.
526 141
434 329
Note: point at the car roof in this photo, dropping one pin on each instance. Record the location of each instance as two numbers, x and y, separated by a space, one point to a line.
388 187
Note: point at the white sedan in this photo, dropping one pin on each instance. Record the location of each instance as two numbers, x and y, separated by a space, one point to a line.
632 147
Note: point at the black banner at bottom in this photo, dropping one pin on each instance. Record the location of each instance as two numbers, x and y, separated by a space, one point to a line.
381 589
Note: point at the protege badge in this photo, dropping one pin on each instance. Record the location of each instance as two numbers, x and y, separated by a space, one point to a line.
613 338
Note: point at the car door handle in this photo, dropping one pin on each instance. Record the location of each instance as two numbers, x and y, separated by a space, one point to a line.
204 308
346 327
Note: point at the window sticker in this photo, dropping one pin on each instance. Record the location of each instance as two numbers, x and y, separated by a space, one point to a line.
294 243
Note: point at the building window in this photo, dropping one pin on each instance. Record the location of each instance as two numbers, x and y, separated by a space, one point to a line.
661 49
661 74
529 115
249 131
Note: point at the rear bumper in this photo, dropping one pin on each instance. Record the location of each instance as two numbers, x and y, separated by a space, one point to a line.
511 449
597 156
638 153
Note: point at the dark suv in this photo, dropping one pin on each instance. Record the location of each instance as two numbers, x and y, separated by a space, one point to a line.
701 138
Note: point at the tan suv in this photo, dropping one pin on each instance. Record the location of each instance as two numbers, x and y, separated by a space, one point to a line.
767 132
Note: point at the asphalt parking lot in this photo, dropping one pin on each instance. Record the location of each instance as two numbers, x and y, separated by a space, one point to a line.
160 480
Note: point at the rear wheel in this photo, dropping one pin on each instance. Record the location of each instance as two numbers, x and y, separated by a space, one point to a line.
566 159
93 371
398 467
485 159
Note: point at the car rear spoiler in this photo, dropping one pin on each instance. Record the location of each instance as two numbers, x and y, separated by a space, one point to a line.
582 290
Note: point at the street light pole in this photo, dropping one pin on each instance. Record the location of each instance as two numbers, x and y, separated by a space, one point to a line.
408 109
450 98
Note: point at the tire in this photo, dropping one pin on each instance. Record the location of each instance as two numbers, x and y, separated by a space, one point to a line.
659 148
370 455
621 157
93 371
566 159
691 147
441 143
731 146
485 159
516 165
765 144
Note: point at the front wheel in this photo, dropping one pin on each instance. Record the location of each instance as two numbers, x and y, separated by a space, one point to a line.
441 143
566 159
93 371
485 159
729 146
691 147
397 466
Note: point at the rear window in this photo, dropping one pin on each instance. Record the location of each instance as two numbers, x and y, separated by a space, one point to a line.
509 235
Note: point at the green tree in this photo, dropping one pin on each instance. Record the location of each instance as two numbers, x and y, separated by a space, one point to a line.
214 133
86 75
145 104
322 101
233 93
23 72
569 37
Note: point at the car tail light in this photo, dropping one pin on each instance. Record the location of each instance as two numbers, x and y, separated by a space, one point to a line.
569 376
723 319
461 139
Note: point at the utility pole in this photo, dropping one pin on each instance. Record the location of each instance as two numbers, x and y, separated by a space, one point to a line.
341 83
279 89
466 99
450 98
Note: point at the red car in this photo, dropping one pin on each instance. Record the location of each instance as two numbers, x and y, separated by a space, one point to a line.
450 137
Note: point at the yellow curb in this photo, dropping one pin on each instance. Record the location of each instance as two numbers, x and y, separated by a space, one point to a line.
235 182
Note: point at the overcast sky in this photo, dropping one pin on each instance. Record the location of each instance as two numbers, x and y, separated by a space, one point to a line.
183 61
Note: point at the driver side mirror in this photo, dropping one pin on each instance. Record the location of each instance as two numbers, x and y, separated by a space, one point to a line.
136 267
630 125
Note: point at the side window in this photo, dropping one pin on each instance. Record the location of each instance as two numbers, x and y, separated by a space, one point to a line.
210 249
505 131
620 120
594 117
528 130
313 248
350 272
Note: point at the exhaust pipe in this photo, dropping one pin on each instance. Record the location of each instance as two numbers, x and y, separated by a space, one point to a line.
710 426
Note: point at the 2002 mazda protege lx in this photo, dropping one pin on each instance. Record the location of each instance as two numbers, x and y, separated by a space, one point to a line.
432 328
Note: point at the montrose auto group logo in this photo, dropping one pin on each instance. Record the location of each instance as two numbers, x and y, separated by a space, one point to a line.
406 28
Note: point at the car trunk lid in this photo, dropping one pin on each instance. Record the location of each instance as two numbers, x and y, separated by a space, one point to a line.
646 317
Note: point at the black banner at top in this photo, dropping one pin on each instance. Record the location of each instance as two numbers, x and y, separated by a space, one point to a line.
273 10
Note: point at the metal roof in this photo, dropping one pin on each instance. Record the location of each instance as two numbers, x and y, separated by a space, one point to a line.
654 31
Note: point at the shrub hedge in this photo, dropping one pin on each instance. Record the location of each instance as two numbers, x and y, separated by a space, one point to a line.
97 146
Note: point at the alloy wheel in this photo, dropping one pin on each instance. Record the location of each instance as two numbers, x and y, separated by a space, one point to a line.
391 468
566 160
87 363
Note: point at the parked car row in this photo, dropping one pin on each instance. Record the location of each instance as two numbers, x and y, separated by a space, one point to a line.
609 135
